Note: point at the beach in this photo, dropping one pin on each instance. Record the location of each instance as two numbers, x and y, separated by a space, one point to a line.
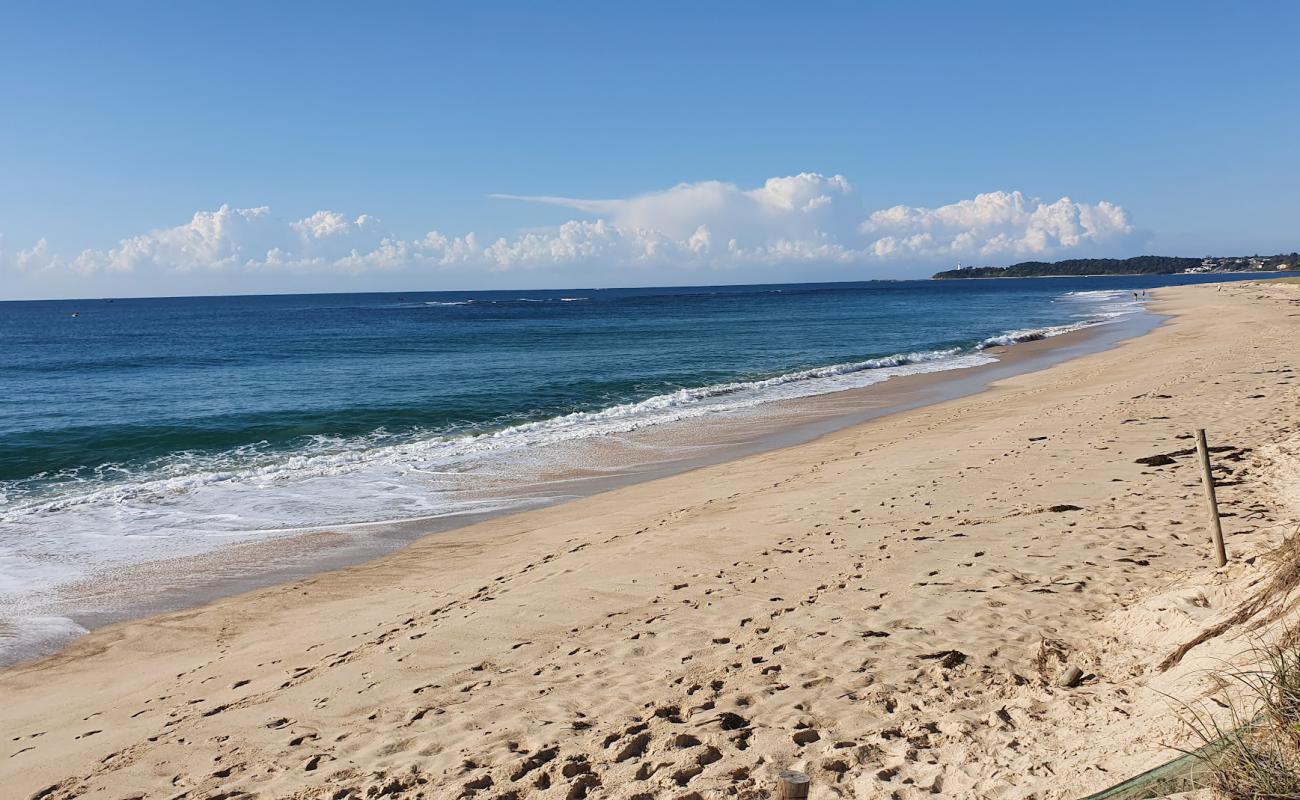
885 607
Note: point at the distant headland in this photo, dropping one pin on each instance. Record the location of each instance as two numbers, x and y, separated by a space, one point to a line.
1138 265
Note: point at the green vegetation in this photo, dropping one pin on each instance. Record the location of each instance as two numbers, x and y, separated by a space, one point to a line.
1139 265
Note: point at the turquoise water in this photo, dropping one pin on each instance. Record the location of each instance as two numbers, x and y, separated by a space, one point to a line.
135 430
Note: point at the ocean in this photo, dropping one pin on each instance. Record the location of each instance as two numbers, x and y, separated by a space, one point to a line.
145 431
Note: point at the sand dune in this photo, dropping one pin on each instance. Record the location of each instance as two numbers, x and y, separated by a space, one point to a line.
886 608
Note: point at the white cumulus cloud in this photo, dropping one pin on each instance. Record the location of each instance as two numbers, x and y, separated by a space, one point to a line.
786 222
794 206
996 225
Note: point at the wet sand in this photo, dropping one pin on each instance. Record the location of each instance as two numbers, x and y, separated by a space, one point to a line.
885 606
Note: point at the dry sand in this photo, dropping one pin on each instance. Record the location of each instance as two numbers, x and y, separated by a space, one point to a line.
885 607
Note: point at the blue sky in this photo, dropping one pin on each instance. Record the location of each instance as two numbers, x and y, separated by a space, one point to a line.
1171 128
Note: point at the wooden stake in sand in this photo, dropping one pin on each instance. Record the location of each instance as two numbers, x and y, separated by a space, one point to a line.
793 785
1207 479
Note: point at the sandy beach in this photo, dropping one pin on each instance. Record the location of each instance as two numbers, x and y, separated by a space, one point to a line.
886 607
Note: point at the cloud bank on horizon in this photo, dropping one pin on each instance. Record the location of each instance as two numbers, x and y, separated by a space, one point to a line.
708 227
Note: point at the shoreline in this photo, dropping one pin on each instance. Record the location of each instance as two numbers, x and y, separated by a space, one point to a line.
884 606
193 581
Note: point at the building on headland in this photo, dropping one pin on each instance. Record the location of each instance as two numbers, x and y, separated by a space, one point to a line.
1239 264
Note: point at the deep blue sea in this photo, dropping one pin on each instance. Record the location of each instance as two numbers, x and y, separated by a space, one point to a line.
136 430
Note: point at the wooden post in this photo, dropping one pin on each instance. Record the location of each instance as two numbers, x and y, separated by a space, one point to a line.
794 785
1207 478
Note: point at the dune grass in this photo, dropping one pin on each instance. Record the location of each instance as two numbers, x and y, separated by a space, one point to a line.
1254 751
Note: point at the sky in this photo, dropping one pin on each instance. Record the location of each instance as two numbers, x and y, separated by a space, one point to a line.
176 148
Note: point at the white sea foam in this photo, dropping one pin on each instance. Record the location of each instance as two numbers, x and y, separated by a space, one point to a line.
33 635
1032 334
187 473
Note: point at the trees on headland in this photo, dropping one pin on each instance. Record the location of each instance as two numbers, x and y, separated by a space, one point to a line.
1138 265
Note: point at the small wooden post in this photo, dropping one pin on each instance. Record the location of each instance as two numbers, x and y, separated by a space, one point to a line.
794 785
1207 478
